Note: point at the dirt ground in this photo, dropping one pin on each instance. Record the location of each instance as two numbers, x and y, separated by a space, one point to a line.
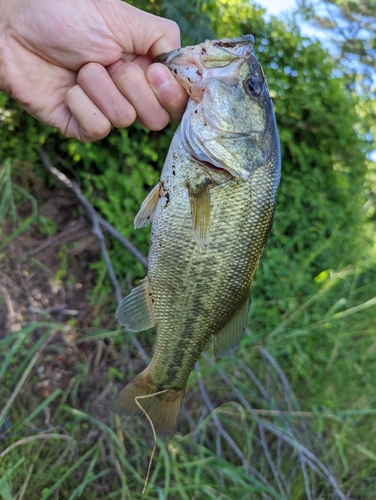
45 276
32 263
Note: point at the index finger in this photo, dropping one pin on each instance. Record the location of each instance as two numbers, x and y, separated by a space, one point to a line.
146 33
167 89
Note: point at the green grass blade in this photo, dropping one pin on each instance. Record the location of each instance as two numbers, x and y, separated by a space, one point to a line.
5 491
23 378
30 353
6 194
69 472
12 352
46 402
81 488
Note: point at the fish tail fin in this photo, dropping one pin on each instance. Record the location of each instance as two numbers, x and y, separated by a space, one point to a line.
141 397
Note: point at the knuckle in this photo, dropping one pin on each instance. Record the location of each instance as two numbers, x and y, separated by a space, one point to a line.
96 130
126 73
103 128
156 120
160 125
124 117
88 70
175 102
173 28
70 92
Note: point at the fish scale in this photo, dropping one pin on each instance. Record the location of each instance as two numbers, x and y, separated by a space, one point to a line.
211 216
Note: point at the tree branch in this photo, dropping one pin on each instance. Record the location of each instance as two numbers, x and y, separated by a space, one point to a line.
96 221
72 186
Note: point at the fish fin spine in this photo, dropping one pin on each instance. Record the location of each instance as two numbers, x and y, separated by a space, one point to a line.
161 406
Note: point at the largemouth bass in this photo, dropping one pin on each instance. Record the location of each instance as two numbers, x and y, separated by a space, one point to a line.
211 215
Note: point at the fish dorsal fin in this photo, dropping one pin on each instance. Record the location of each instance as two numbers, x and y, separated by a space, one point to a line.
199 198
227 340
135 310
146 212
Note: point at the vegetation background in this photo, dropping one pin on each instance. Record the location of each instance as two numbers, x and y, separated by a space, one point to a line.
292 414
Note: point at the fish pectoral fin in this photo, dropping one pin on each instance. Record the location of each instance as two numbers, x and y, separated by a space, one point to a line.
227 340
146 212
199 199
135 310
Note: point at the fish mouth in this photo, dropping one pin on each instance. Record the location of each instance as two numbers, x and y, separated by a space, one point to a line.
235 47
194 65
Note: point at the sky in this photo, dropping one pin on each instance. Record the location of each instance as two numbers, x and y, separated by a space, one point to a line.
277 6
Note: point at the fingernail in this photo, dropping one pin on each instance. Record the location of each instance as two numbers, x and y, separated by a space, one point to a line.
158 78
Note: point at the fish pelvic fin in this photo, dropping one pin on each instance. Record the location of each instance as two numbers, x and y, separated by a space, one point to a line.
199 199
141 397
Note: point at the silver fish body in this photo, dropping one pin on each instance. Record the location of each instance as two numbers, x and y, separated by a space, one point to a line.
211 216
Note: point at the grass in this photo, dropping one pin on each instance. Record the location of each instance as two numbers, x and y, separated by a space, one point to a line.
290 416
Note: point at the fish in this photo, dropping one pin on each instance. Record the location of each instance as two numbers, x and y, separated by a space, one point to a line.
211 214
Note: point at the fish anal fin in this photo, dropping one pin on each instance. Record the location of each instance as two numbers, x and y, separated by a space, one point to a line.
199 199
162 407
135 310
146 212
227 340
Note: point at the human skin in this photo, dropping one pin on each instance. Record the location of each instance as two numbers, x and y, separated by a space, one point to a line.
84 66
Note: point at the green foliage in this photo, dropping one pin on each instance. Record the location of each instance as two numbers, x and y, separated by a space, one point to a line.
321 195
351 27
313 302
116 175
10 196
20 134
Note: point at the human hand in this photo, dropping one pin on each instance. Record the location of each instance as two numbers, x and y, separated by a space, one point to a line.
85 65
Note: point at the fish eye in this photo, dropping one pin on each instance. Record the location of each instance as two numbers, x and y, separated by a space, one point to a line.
253 86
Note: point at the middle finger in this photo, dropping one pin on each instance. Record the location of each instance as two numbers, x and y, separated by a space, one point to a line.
130 79
94 79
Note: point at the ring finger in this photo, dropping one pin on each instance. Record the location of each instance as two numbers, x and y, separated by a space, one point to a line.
130 79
